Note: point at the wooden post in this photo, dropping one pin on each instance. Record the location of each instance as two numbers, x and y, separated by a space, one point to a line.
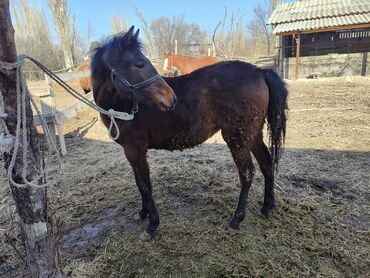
176 49
298 49
38 238
281 56
62 142
48 106
364 64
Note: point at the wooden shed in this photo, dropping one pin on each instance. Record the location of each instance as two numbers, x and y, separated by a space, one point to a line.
313 28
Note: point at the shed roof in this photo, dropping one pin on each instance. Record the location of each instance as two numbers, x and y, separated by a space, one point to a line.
319 14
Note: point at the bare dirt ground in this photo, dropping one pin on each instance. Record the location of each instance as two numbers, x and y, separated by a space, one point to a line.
321 226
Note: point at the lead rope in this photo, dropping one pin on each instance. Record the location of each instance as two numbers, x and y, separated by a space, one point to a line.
6 139
21 129
112 114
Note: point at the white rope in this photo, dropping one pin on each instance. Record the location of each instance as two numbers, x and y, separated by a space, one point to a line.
21 128
112 114
7 141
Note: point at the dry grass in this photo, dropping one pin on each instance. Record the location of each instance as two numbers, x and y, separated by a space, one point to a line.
320 228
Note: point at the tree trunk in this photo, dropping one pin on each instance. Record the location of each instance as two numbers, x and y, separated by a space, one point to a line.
65 28
68 54
38 236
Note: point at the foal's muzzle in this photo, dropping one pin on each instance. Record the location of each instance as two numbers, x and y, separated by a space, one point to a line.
174 104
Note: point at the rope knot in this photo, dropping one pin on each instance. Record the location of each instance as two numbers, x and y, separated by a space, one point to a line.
8 68
131 88
111 112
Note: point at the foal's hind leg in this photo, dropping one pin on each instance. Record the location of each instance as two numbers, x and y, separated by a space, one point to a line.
262 154
241 154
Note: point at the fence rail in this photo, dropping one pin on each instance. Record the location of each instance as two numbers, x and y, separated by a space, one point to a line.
67 76
54 116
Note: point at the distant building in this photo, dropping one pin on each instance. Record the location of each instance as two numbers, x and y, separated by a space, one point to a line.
309 29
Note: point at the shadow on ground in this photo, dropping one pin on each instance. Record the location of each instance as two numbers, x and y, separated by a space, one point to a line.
320 227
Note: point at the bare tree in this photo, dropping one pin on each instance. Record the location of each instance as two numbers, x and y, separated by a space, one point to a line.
166 30
88 40
148 35
258 42
90 33
118 24
65 27
33 37
241 40
261 15
231 42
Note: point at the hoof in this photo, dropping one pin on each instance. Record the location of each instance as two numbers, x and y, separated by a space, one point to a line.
234 225
231 231
266 210
145 236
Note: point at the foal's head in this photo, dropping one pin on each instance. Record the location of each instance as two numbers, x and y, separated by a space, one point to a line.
121 55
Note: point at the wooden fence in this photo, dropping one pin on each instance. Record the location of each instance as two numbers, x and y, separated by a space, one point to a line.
55 116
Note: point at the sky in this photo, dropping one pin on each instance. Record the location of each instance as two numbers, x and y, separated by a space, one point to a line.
207 13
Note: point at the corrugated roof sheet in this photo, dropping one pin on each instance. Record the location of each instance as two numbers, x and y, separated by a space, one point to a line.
315 14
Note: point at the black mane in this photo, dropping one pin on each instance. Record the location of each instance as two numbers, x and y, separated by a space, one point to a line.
118 43
114 45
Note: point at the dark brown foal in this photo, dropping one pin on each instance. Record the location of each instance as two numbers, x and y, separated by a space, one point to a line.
183 112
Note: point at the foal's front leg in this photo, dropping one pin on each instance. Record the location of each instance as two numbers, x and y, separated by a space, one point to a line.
136 155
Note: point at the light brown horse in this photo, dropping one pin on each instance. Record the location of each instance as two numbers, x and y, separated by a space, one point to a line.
85 82
187 64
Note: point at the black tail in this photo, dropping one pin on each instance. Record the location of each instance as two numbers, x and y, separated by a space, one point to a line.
277 113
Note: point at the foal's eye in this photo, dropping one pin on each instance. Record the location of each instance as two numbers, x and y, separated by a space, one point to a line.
140 64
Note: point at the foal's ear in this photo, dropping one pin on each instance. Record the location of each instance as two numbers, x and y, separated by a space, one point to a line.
130 31
136 35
